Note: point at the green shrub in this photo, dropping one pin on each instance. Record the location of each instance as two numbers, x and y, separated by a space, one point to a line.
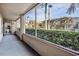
64 38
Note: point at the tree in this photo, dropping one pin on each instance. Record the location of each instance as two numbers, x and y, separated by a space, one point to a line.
72 8
31 24
42 24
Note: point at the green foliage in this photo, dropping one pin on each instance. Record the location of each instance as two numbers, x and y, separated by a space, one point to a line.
64 38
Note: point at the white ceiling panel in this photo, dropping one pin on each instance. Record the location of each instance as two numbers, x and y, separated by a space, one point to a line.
11 11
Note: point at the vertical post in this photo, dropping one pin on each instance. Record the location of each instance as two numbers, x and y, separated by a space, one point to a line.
22 26
35 22
46 16
13 27
3 28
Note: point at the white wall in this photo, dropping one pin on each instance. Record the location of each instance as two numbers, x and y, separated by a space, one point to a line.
1 28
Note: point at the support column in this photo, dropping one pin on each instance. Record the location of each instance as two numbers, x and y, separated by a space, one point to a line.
1 27
35 22
13 27
22 26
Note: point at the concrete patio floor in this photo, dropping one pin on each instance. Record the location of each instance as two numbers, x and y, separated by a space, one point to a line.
12 46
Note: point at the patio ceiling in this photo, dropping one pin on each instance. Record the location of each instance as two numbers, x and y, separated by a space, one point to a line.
11 11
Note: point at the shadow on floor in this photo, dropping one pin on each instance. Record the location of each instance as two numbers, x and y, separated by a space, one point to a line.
29 48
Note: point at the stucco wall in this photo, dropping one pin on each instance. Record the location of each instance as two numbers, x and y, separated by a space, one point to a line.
1 27
46 48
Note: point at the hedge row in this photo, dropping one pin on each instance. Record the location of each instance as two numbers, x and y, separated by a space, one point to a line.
64 38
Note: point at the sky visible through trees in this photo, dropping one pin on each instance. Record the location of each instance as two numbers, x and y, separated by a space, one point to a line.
58 10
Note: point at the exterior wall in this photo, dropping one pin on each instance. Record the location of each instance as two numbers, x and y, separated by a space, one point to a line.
1 28
71 28
18 34
75 22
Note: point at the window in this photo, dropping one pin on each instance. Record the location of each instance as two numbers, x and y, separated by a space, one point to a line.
40 10
30 22
18 24
56 22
